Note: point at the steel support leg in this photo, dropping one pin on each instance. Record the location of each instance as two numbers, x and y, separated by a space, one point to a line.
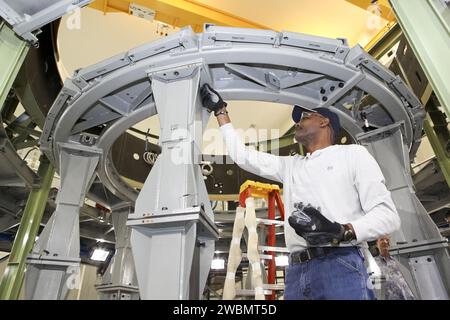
173 229
29 227
419 246
54 262
119 281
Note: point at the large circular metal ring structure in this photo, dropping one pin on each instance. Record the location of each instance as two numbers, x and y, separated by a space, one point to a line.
102 101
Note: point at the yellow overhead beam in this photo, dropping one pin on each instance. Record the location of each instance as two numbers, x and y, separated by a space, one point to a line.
179 13
386 10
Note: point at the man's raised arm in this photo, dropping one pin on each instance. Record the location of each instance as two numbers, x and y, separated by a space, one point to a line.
256 162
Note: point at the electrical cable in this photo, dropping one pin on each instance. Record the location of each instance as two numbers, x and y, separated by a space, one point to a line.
28 152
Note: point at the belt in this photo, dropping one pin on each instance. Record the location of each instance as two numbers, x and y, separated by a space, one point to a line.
316 252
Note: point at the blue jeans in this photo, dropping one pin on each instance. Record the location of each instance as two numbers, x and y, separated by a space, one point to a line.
340 275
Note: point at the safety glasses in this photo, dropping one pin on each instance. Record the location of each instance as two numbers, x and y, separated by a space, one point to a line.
307 115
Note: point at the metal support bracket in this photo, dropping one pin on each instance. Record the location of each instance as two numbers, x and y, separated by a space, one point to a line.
173 229
119 281
58 246
419 238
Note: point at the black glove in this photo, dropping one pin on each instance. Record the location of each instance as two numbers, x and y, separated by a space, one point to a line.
310 224
211 99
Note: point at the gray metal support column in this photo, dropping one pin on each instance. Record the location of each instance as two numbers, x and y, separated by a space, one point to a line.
173 224
119 281
418 246
54 262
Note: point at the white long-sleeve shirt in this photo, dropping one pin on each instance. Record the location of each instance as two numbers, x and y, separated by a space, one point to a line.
344 181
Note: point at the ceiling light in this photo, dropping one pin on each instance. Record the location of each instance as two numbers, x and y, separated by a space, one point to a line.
218 264
99 254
